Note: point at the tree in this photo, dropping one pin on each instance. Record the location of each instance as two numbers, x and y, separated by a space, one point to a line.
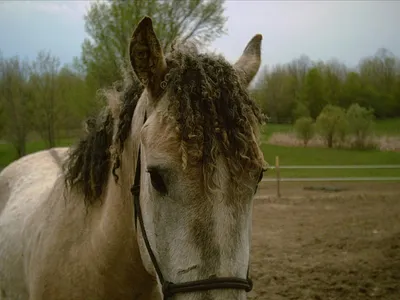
334 75
378 75
276 92
110 24
303 87
299 68
313 94
76 98
14 100
304 128
351 90
300 110
2 116
330 123
361 122
47 109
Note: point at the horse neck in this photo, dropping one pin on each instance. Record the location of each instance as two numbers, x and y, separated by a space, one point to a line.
117 208
117 212
116 241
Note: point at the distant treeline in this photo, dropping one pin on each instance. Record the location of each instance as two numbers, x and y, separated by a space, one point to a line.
304 87
50 100
41 97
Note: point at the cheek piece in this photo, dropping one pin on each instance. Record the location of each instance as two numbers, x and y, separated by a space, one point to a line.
170 289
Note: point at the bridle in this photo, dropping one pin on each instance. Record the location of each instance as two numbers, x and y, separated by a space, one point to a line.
168 288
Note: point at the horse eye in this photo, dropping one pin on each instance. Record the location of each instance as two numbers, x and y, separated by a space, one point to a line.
157 181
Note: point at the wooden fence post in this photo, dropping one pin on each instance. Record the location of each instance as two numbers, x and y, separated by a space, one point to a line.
278 177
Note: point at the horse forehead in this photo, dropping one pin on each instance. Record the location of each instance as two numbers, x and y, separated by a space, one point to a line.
160 142
156 132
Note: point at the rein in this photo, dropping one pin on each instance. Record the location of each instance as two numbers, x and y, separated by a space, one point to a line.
170 289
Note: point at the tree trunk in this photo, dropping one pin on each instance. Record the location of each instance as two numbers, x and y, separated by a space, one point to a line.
20 147
50 137
330 140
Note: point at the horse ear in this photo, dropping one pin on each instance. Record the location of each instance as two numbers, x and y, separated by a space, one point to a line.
250 61
146 56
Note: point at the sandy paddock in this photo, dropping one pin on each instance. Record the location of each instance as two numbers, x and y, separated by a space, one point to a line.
327 245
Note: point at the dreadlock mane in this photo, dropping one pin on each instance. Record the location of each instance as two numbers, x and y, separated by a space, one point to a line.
87 167
213 112
209 105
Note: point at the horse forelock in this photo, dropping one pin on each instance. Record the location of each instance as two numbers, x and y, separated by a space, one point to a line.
213 112
209 106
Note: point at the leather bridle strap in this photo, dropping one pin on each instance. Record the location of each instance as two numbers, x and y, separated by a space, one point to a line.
168 288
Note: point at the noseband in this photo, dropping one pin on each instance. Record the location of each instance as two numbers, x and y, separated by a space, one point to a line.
169 289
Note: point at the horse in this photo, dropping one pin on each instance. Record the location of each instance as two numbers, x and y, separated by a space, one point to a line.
155 200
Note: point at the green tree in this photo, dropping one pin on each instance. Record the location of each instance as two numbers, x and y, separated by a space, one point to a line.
2 117
361 121
378 75
313 94
14 100
330 124
304 128
110 24
300 110
352 90
48 108
276 93
397 95
303 87
334 75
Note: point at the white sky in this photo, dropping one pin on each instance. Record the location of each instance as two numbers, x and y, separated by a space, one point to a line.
346 30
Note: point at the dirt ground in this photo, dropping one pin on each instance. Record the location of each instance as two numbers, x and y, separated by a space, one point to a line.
312 244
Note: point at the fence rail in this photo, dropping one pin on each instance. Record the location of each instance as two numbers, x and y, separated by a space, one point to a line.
279 179
339 167
311 179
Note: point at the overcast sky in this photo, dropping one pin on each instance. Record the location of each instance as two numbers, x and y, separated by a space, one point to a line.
346 30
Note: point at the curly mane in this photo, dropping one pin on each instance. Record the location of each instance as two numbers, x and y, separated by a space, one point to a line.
88 164
208 104
213 111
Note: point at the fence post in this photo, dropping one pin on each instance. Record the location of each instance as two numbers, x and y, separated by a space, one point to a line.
278 177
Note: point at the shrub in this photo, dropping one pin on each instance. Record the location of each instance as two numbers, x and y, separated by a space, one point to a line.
304 129
331 124
361 121
342 131
300 110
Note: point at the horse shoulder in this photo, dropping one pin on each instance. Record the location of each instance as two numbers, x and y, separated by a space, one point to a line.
24 186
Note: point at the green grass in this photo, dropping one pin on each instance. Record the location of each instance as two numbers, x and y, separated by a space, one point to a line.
387 127
325 156
268 129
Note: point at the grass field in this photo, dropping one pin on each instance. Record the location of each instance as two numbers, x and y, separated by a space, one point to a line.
290 155
389 127
325 156
268 129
